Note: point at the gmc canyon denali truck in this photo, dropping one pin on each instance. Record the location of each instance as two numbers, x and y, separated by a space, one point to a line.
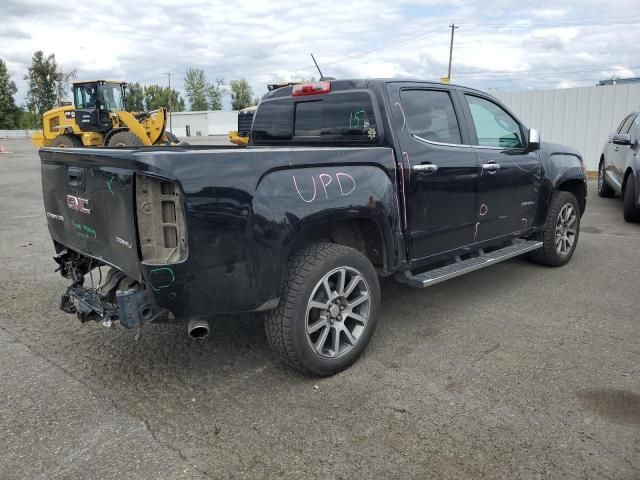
342 182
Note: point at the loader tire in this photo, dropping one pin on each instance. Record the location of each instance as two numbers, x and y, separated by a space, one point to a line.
66 141
124 139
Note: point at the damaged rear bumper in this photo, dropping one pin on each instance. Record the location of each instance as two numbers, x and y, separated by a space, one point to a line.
117 299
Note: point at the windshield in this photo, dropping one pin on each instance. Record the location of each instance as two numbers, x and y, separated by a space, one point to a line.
111 97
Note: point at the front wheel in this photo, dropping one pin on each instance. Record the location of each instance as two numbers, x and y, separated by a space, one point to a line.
124 139
629 209
561 231
328 309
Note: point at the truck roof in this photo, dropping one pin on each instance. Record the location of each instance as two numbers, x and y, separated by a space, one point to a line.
360 83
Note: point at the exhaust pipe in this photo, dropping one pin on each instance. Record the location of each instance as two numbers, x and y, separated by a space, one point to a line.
198 329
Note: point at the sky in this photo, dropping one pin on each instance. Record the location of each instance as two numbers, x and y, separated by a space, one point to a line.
500 44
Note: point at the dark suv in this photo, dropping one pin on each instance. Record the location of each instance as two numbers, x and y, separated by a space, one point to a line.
619 168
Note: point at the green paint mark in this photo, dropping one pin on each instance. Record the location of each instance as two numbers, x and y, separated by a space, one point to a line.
85 229
169 282
354 119
109 183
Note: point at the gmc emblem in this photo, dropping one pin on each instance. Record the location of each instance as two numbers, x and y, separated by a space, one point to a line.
78 204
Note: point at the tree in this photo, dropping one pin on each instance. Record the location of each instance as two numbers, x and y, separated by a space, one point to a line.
241 94
134 97
156 96
47 84
215 92
26 119
9 111
196 88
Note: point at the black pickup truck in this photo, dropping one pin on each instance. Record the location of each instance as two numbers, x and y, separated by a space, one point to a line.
342 182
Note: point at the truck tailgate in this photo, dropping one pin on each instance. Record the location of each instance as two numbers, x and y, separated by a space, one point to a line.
90 207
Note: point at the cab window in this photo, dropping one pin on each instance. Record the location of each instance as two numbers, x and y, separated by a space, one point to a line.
626 123
634 129
85 96
430 115
493 125
339 117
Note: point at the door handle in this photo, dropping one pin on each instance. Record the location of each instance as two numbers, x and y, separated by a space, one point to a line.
491 166
425 167
76 178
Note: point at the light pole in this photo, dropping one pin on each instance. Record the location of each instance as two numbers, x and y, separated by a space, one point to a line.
168 74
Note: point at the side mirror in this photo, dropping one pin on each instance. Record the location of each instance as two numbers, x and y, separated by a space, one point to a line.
534 140
621 139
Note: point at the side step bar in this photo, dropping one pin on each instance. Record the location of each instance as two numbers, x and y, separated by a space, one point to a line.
461 267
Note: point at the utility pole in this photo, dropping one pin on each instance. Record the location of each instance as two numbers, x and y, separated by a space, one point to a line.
168 74
453 29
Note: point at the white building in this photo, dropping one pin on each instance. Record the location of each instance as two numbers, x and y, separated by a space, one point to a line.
216 122
580 117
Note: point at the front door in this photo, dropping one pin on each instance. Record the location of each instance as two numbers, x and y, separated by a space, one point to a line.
510 177
439 167
622 153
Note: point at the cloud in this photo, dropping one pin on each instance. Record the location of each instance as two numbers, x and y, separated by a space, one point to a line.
498 44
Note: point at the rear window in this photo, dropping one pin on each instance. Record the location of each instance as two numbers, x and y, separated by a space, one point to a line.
347 116
273 122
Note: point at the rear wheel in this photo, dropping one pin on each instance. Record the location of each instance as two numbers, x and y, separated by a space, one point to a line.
66 141
124 139
630 211
604 190
328 309
561 231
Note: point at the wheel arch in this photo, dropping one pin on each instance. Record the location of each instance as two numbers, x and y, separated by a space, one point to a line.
362 234
578 188
112 132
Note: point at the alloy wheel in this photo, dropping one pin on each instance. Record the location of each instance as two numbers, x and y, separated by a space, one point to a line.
338 312
566 229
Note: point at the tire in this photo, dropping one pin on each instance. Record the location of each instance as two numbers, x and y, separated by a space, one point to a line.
304 302
66 141
124 139
559 231
604 190
630 211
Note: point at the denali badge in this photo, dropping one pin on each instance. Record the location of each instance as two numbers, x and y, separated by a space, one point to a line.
55 217
123 242
78 204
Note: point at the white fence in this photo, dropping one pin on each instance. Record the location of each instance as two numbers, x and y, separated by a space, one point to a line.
579 117
17 133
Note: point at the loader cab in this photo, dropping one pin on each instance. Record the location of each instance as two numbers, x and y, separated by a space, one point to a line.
95 101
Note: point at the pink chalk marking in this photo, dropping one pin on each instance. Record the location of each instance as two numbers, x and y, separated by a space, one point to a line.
483 210
476 232
315 190
404 119
340 183
324 185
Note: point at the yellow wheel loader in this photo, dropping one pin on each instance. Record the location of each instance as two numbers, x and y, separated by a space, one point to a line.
99 118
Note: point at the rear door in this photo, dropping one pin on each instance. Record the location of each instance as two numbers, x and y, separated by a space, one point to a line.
440 169
510 175
90 207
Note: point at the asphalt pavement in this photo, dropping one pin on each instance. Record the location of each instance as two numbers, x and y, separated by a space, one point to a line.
514 371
